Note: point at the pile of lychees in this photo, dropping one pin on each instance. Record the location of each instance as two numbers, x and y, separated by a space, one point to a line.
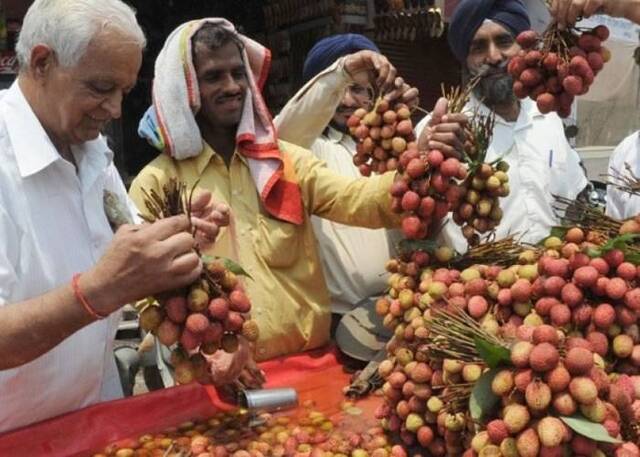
311 434
555 68
549 332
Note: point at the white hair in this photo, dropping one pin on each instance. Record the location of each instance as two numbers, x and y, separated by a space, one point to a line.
68 26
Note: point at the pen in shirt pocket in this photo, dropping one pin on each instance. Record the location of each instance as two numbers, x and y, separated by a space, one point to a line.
550 158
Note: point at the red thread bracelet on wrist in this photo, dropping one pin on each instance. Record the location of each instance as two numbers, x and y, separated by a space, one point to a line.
75 285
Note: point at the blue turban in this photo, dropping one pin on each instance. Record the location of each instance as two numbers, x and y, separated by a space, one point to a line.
330 49
470 14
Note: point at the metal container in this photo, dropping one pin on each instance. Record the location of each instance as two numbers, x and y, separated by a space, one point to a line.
269 399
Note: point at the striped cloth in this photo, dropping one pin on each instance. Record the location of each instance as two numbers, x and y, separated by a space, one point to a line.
170 124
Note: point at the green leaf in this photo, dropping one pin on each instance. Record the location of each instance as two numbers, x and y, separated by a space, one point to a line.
492 354
483 401
233 267
583 426
619 242
559 231
229 264
594 252
633 257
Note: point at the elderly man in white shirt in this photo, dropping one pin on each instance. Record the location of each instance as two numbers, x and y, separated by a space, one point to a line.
542 163
63 274
622 205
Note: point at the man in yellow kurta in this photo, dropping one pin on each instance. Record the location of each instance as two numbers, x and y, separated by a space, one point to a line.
215 130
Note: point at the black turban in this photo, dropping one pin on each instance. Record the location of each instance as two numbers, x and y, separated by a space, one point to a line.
470 14
330 49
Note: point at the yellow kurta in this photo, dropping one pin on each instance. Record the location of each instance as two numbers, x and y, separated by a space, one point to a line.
288 293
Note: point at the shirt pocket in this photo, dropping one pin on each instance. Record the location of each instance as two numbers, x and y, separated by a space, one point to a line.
278 242
559 181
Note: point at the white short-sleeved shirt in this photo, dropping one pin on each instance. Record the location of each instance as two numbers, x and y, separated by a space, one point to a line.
52 225
542 163
622 205
353 258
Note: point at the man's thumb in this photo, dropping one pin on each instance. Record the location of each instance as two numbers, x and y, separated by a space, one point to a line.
439 110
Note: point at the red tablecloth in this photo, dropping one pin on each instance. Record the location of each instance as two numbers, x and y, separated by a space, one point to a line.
316 375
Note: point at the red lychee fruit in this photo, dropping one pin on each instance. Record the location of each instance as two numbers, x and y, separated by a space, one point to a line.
527 39
573 84
544 357
616 288
531 77
585 276
546 102
412 227
176 309
602 32
553 285
632 299
599 342
238 301
600 265
558 379
410 201
416 168
435 158
521 291
571 295
168 333
219 308
579 361
497 431
589 42
560 315
234 322
190 340
543 305
516 66
581 315
545 334
604 315
627 271
523 378
477 306
197 323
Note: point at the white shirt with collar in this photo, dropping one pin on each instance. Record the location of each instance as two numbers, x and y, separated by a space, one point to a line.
53 225
542 163
353 258
622 205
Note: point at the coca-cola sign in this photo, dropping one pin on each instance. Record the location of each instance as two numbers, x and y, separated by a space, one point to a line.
8 63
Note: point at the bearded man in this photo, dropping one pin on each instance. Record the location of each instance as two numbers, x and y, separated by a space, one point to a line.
541 162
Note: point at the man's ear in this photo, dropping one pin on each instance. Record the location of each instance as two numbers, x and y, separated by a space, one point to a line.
42 60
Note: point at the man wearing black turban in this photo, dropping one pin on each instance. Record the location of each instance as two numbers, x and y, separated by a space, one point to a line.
482 35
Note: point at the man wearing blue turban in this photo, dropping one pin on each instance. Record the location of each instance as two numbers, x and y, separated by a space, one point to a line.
353 259
482 35
316 118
